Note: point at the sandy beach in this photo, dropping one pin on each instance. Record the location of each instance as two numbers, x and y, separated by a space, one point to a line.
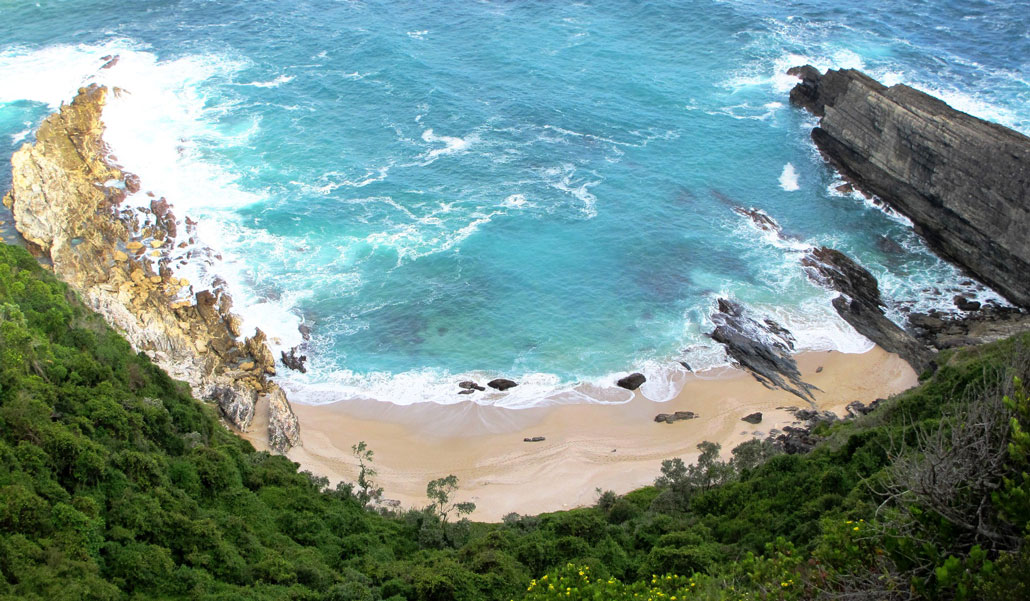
587 446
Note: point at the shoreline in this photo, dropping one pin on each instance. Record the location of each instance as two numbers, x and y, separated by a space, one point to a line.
587 445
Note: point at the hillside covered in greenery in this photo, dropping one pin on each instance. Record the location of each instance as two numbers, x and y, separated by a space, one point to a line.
116 484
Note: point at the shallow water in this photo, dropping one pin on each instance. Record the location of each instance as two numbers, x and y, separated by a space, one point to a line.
526 190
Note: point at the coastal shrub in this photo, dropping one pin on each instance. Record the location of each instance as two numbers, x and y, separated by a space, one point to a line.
116 484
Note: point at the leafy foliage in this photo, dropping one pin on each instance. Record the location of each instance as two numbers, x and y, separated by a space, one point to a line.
115 484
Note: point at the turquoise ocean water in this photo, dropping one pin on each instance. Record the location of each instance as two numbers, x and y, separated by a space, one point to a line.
534 190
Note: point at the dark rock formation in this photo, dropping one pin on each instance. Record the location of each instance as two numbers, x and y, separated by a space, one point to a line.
861 306
501 384
754 418
632 381
294 361
670 418
760 218
534 439
988 324
470 385
964 182
800 439
762 348
965 304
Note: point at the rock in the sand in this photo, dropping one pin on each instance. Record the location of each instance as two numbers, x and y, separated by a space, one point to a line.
669 418
470 385
762 348
467 391
754 418
283 426
534 439
861 305
501 384
236 404
686 366
819 369
632 381
293 360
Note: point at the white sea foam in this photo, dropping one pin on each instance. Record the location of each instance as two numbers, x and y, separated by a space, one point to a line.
789 178
515 201
452 145
274 83
20 136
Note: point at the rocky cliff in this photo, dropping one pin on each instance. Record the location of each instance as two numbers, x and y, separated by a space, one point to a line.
68 198
964 182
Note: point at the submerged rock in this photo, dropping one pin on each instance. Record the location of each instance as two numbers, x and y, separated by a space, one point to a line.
470 385
632 381
962 181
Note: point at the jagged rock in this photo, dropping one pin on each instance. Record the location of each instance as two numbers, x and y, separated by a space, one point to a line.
62 207
501 384
305 331
293 360
534 439
236 404
858 408
760 218
965 304
470 385
632 381
861 306
754 418
988 324
283 427
670 418
962 181
763 349
686 366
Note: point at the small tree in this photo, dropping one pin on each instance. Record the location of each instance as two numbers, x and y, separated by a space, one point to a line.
368 492
439 492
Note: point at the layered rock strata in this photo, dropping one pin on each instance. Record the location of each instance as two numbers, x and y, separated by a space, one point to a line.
962 181
860 304
763 348
67 200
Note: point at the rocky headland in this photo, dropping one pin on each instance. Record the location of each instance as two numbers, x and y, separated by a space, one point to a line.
962 181
68 200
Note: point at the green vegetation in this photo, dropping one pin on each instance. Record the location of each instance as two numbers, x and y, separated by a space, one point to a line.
116 484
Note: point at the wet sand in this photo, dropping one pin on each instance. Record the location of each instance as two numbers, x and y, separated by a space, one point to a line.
588 446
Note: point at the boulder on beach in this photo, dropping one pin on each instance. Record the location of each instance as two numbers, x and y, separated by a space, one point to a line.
670 418
534 439
632 381
754 418
501 384
472 386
